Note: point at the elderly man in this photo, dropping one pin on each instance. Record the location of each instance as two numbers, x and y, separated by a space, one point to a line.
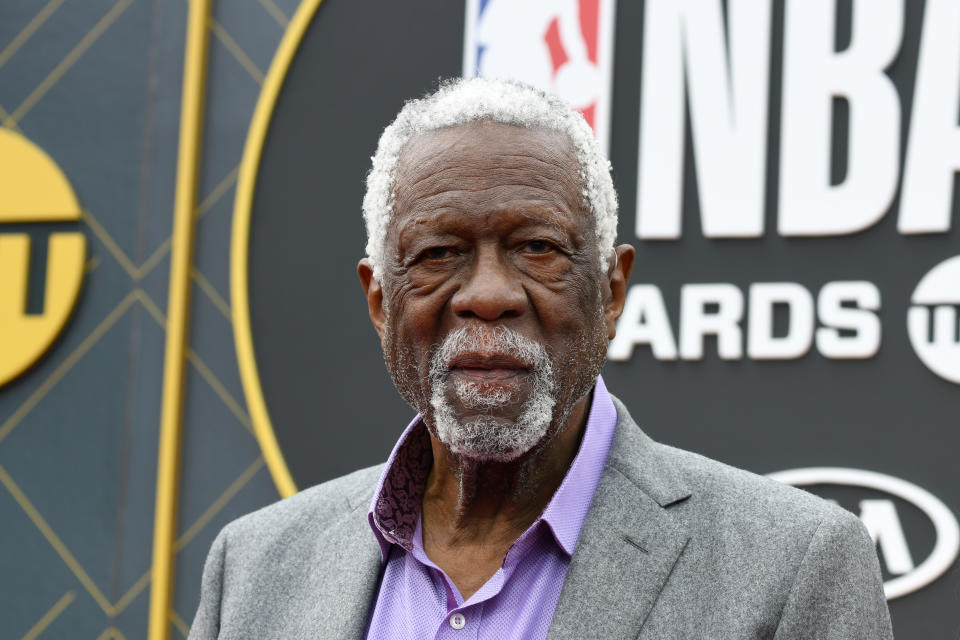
524 501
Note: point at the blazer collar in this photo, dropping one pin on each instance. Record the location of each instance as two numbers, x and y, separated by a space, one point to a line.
641 460
629 543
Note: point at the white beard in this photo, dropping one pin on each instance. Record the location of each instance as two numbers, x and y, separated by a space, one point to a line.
486 437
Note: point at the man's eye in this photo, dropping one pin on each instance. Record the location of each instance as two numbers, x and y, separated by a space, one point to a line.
437 253
538 246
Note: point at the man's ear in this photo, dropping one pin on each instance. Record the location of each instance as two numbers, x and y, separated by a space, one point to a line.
619 277
374 293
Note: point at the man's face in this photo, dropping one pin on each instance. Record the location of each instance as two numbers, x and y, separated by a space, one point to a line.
493 298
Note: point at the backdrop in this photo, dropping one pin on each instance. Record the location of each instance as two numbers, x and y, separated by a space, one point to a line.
786 170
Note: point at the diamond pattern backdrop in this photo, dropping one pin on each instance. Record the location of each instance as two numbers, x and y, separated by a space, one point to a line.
96 84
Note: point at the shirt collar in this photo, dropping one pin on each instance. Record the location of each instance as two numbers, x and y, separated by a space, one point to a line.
568 507
395 510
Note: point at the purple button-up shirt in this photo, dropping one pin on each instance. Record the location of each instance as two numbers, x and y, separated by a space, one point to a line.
418 600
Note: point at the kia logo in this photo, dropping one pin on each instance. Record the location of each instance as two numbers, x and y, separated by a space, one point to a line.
883 523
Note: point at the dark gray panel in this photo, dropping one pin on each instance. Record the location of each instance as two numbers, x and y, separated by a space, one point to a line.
324 379
320 362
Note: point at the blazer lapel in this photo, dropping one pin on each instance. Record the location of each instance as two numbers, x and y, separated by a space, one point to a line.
628 545
350 570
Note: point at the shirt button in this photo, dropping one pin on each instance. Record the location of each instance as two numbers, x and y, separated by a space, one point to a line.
458 621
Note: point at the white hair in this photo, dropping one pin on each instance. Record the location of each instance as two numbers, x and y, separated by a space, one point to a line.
460 101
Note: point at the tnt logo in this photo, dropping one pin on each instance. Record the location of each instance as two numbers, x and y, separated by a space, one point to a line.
932 322
33 189
561 46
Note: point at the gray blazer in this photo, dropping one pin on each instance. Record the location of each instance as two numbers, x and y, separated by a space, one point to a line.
674 546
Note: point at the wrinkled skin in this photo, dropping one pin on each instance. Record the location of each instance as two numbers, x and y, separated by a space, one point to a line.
490 228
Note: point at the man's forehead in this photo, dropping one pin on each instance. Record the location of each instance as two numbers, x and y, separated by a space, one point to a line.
486 138
483 156
496 218
486 175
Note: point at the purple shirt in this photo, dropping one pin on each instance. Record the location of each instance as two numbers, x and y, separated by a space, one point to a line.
418 600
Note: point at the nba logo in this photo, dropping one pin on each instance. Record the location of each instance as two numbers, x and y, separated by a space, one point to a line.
561 46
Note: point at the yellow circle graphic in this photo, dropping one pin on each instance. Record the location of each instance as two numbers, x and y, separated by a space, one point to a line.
240 246
33 189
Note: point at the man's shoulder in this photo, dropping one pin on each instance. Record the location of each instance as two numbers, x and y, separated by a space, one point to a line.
752 533
271 571
308 512
734 494
719 498
795 562
733 516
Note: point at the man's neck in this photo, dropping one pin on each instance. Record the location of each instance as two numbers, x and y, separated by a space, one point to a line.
469 503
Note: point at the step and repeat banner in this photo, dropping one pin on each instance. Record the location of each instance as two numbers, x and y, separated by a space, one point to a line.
787 170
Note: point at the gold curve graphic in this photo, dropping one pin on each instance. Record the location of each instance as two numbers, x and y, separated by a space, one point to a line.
240 246
178 315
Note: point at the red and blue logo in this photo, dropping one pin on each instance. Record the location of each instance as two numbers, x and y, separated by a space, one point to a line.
561 46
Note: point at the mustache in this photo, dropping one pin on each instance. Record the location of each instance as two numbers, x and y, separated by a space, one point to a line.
494 347
498 346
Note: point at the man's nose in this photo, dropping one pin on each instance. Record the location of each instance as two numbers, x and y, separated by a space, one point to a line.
492 290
